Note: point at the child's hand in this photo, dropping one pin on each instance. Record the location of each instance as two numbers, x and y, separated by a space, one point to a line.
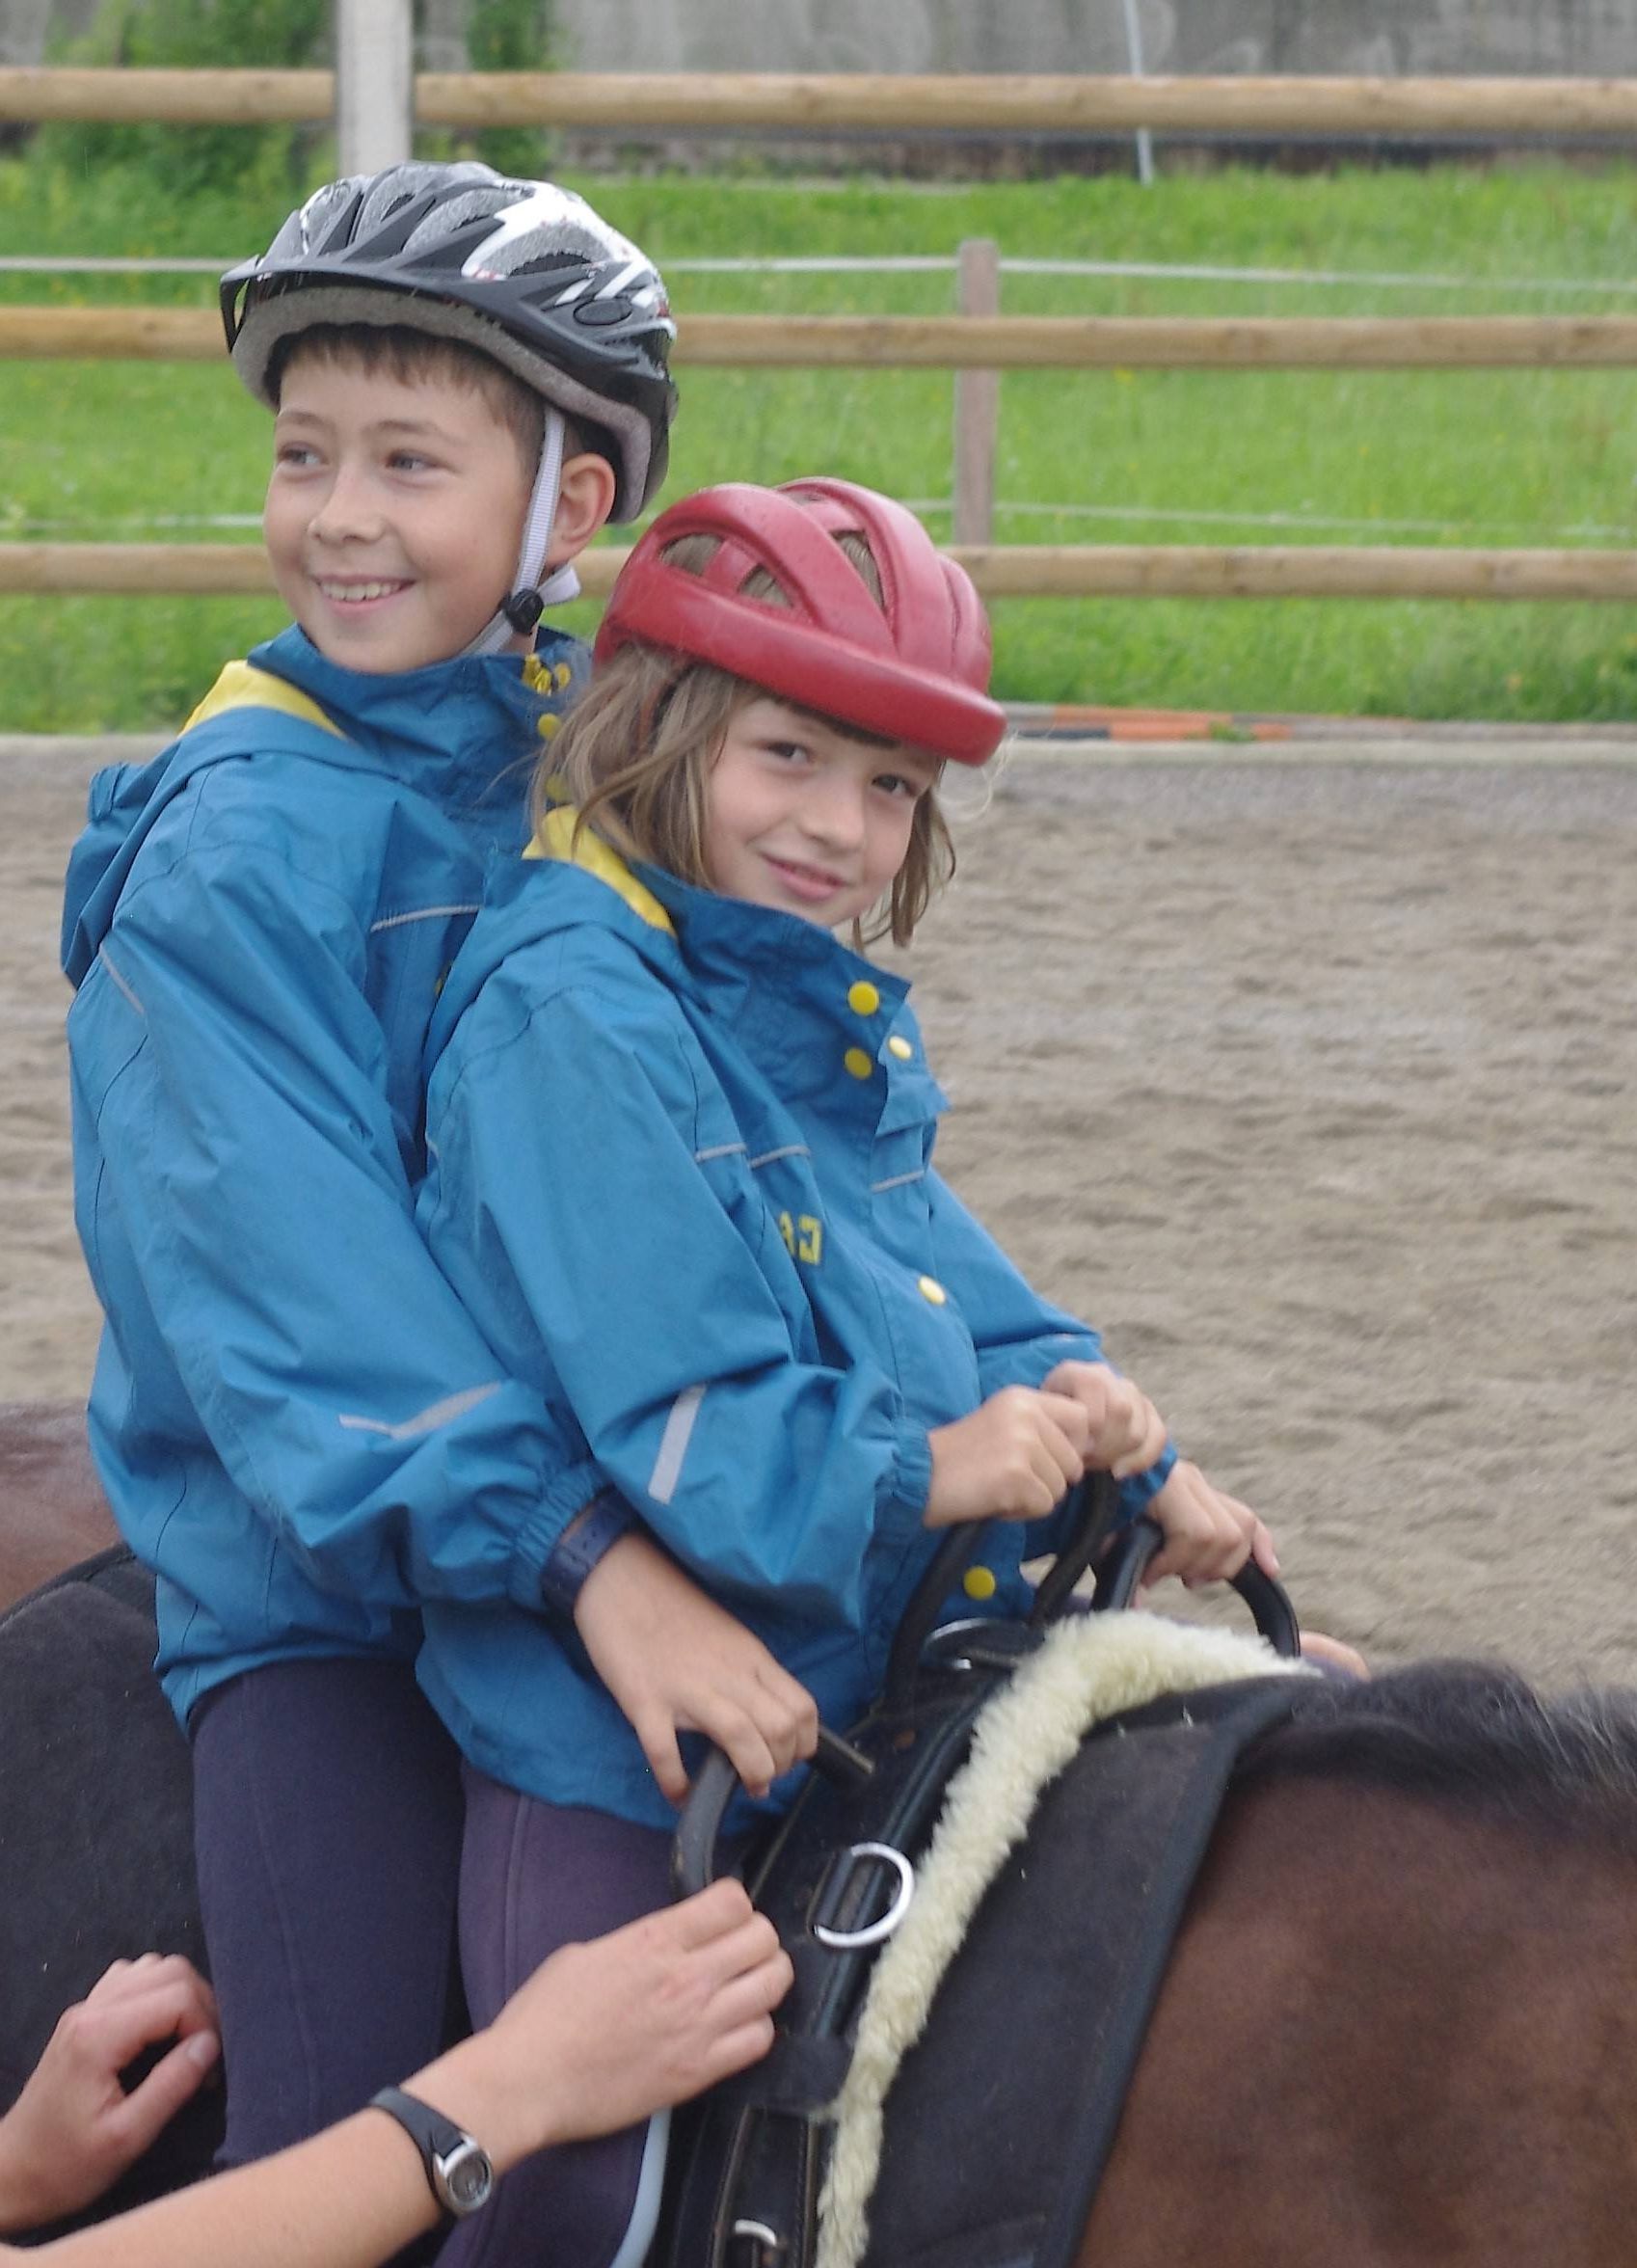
675 1662
75 2128
1016 1456
1208 1535
1127 1431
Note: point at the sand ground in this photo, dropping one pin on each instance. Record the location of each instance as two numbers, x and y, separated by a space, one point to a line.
1312 1081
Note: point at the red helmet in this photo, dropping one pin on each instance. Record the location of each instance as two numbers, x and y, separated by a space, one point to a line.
914 668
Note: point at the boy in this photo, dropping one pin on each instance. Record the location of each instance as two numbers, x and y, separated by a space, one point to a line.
469 376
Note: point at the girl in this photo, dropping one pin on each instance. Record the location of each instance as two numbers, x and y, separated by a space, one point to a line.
682 1175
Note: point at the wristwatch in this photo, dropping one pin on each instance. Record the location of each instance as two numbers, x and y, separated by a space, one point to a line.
457 2167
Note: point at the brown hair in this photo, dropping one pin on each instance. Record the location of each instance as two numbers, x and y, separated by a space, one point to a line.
419 358
637 751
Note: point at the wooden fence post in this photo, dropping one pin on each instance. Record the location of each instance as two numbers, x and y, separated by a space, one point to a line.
977 400
374 83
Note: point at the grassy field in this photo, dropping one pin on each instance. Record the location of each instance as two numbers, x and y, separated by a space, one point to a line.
143 452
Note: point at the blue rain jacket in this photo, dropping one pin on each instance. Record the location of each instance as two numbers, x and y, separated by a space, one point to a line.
298 1428
680 1170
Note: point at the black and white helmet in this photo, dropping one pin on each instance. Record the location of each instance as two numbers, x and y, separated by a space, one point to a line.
524 270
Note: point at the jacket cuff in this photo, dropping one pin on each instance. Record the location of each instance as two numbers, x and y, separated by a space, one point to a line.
1030 1362
911 1481
1139 1491
538 1538
593 1531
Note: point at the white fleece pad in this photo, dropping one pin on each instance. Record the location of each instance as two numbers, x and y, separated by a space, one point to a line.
1089 1667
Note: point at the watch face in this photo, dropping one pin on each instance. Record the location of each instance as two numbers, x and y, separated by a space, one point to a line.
467 2178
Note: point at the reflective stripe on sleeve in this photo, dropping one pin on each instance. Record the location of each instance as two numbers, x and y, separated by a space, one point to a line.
673 1444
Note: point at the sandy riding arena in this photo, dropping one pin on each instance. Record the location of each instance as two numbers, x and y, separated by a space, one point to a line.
1313 1083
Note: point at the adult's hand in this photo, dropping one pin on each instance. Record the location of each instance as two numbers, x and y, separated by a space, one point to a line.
73 2130
607 2032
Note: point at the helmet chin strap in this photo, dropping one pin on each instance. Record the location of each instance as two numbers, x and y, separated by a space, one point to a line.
522 606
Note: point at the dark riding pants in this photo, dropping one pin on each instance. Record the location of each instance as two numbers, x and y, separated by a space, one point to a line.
327 1824
536 1877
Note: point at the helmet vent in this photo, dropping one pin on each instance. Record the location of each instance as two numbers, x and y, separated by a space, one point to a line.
602 315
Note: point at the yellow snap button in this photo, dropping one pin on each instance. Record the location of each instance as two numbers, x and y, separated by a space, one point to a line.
978 1582
862 998
900 1047
858 1063
932 1291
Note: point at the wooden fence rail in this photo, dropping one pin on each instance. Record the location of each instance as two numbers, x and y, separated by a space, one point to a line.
962 342
1154 571
977 342
970 103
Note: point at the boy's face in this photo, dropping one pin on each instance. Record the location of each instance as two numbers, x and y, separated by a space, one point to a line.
801 816
395 514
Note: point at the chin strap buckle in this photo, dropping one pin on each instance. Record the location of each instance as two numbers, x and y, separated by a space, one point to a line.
522 610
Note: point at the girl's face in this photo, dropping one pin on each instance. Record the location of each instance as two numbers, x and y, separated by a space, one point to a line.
801 818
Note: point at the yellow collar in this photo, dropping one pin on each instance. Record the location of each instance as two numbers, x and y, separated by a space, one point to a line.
557 838
243 686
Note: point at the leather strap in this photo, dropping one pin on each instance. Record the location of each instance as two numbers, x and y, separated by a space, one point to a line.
432 2134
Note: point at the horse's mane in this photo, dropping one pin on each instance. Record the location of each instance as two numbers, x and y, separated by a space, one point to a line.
1470 1732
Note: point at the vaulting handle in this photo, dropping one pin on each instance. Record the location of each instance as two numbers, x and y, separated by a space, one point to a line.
1130 1554
693 1849
715 1784
1093 1502
920 1617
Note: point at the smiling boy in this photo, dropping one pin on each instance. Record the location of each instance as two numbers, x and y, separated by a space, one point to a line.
395 513
290 1409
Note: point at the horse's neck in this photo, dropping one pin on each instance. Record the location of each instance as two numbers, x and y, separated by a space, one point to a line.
1392 2033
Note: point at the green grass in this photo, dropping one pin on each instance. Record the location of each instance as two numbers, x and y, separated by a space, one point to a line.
141 451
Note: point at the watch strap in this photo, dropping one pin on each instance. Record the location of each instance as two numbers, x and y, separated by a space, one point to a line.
593 1531
435 2137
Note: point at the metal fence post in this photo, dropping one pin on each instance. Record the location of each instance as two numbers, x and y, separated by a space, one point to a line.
1145 139
374 83
977 400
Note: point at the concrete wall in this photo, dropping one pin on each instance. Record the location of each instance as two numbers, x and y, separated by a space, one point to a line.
24 25
1592 36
